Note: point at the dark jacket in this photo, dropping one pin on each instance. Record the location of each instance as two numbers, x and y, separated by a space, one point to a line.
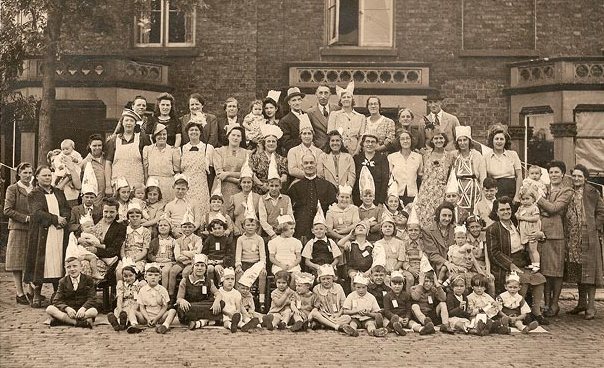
16 208
290 125
113 240
78 211
209 133
84 297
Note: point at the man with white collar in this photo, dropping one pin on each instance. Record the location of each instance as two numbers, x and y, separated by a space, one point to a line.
319 114
290 123
306 193
439 118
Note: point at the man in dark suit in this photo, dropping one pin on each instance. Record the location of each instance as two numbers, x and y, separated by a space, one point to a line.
319 115
75 302
88 207
441 120
290 123
230 118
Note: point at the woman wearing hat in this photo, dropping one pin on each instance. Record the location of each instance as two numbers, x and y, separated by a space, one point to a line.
124 153
15 208
228 161
348 122
162 161
503 164
260 160
195 162
469 168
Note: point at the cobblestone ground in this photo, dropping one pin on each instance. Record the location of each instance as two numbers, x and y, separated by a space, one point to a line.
26 342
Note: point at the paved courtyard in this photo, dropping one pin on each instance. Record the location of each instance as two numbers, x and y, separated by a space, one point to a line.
25 341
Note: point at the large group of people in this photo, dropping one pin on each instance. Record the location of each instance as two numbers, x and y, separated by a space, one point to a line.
320 218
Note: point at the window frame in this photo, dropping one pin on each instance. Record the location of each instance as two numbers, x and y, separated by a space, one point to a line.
165 29
333 6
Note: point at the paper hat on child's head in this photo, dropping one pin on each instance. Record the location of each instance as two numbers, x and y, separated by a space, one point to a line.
396 275
89 182
359 278
179 178
120 182
152 267
273 171
274 95
86 218
200 258
246 170
452 185
158 128
413 218
72 248
387 217
349 89
217 188
188 217
219 216
250 211
424 265
345 189
463 131
513 276
271 129
366 182
251 274
134 207
392 187
154 182
305 123
284 219
319 216
228 272
325 270
460 229
305 278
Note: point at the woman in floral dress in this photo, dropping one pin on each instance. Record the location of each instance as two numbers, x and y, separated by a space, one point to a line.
437 164
195 165
228 161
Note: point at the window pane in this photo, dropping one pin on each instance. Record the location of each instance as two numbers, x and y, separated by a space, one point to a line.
349 22
376 21
149 25
333 22
180 26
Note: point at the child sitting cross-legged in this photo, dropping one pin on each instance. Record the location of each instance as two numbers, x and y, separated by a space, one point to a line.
514 306
196 296
397 308
483 308
75 301
457 306
328 303
302 301
363 308
429 303
154 301
228 301
280 311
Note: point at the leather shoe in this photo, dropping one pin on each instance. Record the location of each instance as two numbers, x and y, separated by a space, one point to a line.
590 314
578 309
541 320
552 311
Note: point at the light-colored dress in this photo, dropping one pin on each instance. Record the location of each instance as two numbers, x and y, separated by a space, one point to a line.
161 164
351 127
194 165
128 162
228 159
432 191
53 256
384 129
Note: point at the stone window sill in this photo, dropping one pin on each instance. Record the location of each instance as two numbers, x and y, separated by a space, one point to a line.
518 53
357 51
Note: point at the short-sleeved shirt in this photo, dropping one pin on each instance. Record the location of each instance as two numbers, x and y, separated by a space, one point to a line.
405 171
329 301
153 298
304 302
366 302
502 166
278 294
230 299
285 249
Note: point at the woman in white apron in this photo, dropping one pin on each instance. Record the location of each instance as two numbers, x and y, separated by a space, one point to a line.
162 161
195 164
124 157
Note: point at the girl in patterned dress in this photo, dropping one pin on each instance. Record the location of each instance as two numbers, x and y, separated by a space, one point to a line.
469 167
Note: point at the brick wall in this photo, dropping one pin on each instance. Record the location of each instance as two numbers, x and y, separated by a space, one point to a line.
245 47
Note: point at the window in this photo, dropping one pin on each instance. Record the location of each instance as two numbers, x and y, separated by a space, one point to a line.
366 23
162 25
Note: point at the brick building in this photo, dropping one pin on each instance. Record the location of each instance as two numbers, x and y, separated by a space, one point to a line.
535 62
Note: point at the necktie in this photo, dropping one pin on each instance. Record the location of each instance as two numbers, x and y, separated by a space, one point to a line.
89 211
436 121
194 148
325 113
75 284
